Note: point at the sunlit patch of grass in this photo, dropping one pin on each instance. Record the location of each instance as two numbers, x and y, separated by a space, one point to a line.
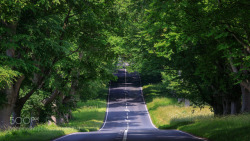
161 101
39 133
88 117
229 128
166 113
168 117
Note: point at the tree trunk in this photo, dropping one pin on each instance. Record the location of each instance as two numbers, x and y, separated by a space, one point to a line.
41 113
218 109
17 115
11 96
5 114
236 101
37 78
226 106
11 92
233 108
245 100
246 85
38 81
216 103
52 97
245 89
59 117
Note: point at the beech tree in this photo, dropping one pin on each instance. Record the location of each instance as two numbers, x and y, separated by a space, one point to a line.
52 47
205 43
53 52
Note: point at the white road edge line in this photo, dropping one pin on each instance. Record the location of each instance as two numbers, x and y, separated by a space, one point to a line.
145 104
107 110
125 79
125 135
126 130
151 119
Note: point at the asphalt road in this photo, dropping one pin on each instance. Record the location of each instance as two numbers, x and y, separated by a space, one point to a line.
127 117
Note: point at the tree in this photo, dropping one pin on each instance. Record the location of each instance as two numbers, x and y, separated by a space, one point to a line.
61 42
198 39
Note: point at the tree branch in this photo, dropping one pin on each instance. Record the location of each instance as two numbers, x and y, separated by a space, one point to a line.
240 41
49 100
246 84
234 68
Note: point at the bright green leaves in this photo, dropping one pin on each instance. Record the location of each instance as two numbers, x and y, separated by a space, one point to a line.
118 44
7 76
48 3
10 10
68 46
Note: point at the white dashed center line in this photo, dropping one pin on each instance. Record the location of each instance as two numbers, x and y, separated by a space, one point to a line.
127 110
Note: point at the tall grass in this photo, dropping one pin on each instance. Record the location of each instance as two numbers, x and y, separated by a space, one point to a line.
167 113
39 133
229 128
89 117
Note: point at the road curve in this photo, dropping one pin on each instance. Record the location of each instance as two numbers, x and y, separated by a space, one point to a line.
127 117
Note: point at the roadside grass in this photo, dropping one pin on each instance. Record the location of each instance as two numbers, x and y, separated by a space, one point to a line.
229 128
39 133
173 116
167 113
88 117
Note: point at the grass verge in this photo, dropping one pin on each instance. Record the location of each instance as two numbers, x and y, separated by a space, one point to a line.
167 113
88 117
39 133
229 128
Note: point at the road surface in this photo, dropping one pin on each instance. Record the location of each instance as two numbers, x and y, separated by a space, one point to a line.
127 117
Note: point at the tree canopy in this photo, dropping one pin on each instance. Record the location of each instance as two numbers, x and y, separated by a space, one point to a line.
54 53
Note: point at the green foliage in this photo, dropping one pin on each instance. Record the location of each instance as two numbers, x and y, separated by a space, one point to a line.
67 51
7 76
159 90
193 44
94 90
